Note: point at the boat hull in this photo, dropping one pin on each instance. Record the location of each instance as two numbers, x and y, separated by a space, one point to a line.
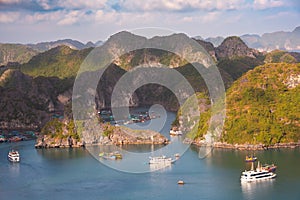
161 160
253 176
13 157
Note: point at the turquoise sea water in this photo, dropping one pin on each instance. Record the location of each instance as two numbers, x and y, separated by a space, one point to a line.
72 174
75 174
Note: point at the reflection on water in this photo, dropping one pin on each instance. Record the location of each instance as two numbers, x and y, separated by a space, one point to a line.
141 148
205 152
130 161
43 173
14 169
160 166
251 189
61 153
135 158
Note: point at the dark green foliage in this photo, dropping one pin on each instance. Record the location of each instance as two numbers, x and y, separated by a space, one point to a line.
56 127
15 53
62 62
262 109
278 56
108 130
142 56
236 67
53 127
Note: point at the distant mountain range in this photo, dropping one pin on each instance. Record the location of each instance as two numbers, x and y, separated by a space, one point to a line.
288 41
12 54
73 44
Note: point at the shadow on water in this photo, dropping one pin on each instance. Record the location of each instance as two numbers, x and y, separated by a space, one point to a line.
141 148
62 153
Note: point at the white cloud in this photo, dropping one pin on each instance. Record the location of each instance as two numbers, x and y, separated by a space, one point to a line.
101 17
71 18
188 19
210 17
125 18
9 1
180 5
39 17
281 15
9 17
264 4
82 4
205 18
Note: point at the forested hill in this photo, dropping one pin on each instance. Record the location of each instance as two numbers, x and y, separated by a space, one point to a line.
262 107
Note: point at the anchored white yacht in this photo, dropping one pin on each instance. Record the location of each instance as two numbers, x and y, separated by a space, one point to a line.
13 156
257 175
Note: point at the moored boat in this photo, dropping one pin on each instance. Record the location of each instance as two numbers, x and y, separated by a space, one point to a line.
257 175
111 156
161 159
15 139
13 156
270 168
2 138
175 133
180 182
250 159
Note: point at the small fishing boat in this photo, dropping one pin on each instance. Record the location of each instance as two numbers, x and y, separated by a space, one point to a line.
270 168
250 159
177 155
180 182
118 155
111 156
15 139
13 156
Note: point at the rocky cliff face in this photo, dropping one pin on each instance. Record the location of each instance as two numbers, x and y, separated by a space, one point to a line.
209 47
15 53
29 102
233 47
61 134
288 41
26 102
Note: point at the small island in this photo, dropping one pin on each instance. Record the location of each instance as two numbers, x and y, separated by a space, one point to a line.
62 134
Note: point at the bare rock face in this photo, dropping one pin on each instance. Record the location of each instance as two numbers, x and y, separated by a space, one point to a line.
58 134
26 102
234 47
46 141
209 47
292 81
122 135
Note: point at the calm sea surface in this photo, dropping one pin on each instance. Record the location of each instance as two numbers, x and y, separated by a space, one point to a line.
75 174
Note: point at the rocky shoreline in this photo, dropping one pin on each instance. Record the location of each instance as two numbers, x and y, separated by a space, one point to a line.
120 136
245 147
46 141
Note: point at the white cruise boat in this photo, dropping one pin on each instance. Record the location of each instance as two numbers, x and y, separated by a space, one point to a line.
160 160
13 156
175 133
257 175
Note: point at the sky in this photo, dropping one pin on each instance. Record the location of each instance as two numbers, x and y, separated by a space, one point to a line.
32 21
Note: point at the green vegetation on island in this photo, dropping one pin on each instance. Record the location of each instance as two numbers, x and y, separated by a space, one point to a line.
262 107
15 53
62 62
